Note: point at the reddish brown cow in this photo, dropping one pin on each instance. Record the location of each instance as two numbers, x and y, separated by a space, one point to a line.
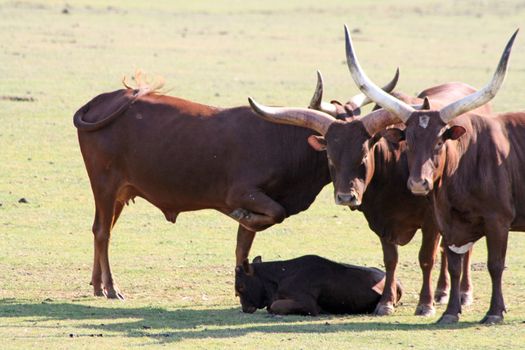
183 156
472 167
369 174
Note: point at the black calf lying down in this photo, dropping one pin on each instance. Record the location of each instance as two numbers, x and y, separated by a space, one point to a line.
309 285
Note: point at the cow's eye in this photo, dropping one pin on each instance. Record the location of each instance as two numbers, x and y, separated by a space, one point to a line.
438 145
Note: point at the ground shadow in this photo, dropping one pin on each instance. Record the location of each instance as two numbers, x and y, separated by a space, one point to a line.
189 323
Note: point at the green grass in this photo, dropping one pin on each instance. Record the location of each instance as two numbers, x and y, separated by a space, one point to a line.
178 279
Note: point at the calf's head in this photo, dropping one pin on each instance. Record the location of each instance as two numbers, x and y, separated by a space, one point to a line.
427 130
250 288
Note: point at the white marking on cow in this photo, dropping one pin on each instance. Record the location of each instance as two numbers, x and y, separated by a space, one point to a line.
423 121
461 249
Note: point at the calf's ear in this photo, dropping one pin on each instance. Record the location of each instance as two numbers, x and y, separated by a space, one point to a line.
248 269
317 142
394 135
454 132
257 260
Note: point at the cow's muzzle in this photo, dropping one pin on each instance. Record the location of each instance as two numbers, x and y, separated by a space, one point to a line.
419 187
348 199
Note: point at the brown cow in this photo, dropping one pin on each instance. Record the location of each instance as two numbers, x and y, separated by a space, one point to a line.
471 165
369 174
309 285
184 156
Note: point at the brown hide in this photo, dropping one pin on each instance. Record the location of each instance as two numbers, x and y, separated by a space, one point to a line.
376 171
478 186
183 156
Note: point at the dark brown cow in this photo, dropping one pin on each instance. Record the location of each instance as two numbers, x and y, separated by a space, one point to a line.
472 166
369 174
309 285
183 156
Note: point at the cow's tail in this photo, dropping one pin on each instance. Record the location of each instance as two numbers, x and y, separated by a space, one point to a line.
82 125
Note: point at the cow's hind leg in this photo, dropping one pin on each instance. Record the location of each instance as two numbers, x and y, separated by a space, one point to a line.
443 285
107 212
467 290
255 210
442 289
497 249
451 314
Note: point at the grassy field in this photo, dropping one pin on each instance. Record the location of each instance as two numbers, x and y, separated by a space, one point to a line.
178 279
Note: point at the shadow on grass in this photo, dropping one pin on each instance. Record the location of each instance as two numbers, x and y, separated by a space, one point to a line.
188 323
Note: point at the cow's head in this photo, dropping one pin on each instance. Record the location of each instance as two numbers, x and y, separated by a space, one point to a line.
347 139
427 130
250 288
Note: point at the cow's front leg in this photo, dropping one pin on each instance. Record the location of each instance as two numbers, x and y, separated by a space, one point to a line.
389 297
453 310
255 210
245 239
427 255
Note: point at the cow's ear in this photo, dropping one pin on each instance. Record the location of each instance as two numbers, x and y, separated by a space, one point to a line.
317 142
257 260
453 133
394 135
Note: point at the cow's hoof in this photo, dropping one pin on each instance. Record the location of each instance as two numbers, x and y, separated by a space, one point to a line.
425 310
98 293
113 293
492 319
441 297
448 319
239 214
383 310
467 298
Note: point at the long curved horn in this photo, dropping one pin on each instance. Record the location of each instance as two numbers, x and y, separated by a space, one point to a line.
317 99
379 120
393 105
484 95
361 100
307 118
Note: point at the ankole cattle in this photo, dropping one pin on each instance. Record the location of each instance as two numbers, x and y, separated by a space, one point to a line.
370 174
184 156
309 285
470 165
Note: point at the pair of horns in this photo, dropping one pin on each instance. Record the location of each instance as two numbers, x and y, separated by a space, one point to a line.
403 110
319 115
399 110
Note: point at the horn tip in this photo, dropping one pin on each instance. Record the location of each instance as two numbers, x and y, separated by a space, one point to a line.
255 106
